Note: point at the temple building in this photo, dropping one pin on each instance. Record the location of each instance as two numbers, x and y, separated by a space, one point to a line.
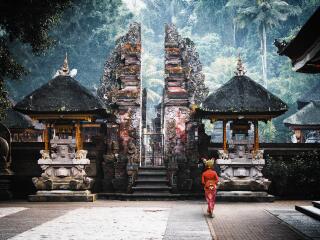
243 103
21 127
306 122
63 105
304 48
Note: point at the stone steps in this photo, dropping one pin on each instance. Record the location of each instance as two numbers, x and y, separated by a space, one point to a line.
154 181
311 211
151 183
316 204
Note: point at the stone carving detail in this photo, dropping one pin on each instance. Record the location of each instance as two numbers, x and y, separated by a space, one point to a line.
240 169
63 169
121 88
184 77
184 88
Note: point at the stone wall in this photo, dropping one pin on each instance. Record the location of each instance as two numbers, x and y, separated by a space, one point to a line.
121 89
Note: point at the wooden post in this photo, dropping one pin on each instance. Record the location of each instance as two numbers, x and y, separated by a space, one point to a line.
224 135
256 136
78 136
46 137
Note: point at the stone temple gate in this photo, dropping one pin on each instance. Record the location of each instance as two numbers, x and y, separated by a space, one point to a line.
126 157
176 132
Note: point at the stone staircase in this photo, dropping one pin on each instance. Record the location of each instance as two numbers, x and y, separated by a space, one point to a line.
152 183
312 211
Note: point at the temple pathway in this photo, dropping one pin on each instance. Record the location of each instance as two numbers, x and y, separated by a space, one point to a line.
144 220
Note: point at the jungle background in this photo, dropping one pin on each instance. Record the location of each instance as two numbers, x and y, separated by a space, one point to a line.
221 30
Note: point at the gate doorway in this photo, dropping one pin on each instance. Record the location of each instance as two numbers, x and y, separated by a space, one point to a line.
152 149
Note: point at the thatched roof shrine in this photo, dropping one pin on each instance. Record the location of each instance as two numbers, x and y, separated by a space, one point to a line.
308 117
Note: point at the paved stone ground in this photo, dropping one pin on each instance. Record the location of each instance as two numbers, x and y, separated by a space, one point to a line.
251 221
309 227
143 220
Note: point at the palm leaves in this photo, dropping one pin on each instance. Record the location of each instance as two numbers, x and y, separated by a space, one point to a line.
265 14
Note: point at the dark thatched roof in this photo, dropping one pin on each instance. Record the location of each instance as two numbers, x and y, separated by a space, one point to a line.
63 94
307 116
243 95
312 95
16 120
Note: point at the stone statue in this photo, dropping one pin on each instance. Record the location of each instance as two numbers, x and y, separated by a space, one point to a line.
4 157
132 153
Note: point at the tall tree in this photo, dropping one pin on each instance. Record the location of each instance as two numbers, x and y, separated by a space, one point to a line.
266 14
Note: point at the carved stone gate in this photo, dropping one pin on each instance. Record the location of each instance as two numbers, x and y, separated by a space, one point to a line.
121 89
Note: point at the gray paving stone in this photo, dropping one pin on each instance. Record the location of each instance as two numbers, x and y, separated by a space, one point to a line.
302 223
187 223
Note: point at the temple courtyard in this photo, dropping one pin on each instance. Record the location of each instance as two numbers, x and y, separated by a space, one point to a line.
109 219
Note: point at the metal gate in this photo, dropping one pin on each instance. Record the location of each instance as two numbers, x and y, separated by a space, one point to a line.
152 154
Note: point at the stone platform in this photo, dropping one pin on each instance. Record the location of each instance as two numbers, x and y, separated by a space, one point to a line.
244 196
63 196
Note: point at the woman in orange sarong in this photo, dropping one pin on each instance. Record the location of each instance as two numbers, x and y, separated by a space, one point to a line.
210 181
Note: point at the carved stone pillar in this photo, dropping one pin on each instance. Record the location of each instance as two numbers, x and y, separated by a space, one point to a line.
121 88
184 88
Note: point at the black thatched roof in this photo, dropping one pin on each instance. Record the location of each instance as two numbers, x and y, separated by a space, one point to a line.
312 95
307 116
63 94
16 120
243 95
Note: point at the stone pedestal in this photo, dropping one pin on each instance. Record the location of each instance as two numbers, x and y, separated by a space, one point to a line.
63 196
64 176
241 177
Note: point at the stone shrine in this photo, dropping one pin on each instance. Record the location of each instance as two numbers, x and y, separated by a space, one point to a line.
243 103
66 106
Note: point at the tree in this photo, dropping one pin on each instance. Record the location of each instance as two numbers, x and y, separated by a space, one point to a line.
266 14
28 22
87 31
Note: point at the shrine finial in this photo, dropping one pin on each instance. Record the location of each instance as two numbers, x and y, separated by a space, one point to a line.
240 68
65 67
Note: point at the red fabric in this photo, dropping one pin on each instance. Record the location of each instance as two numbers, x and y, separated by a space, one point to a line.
210 177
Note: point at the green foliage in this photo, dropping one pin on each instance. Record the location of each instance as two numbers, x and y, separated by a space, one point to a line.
267 131
296 177
27 22
87 32
88 29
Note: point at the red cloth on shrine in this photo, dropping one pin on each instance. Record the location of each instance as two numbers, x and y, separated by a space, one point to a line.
209 181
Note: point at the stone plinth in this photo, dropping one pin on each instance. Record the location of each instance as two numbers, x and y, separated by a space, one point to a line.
241 177
64 175
63 196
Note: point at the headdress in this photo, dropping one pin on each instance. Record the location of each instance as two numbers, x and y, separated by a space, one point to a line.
208 163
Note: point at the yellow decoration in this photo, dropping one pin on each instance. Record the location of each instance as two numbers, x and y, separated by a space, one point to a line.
208 163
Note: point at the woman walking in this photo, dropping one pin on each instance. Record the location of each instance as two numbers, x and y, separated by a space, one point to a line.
210 181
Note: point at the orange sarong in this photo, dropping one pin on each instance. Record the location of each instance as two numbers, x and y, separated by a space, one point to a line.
209 181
